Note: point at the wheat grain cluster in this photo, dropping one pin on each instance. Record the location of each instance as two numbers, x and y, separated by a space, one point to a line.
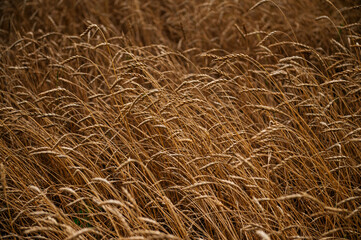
180 119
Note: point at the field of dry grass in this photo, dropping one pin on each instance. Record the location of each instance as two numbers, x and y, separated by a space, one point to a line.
180 119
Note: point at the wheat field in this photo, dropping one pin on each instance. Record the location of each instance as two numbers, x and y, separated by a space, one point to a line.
180 119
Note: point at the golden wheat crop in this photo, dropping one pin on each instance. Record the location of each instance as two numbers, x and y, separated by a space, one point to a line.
180 119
